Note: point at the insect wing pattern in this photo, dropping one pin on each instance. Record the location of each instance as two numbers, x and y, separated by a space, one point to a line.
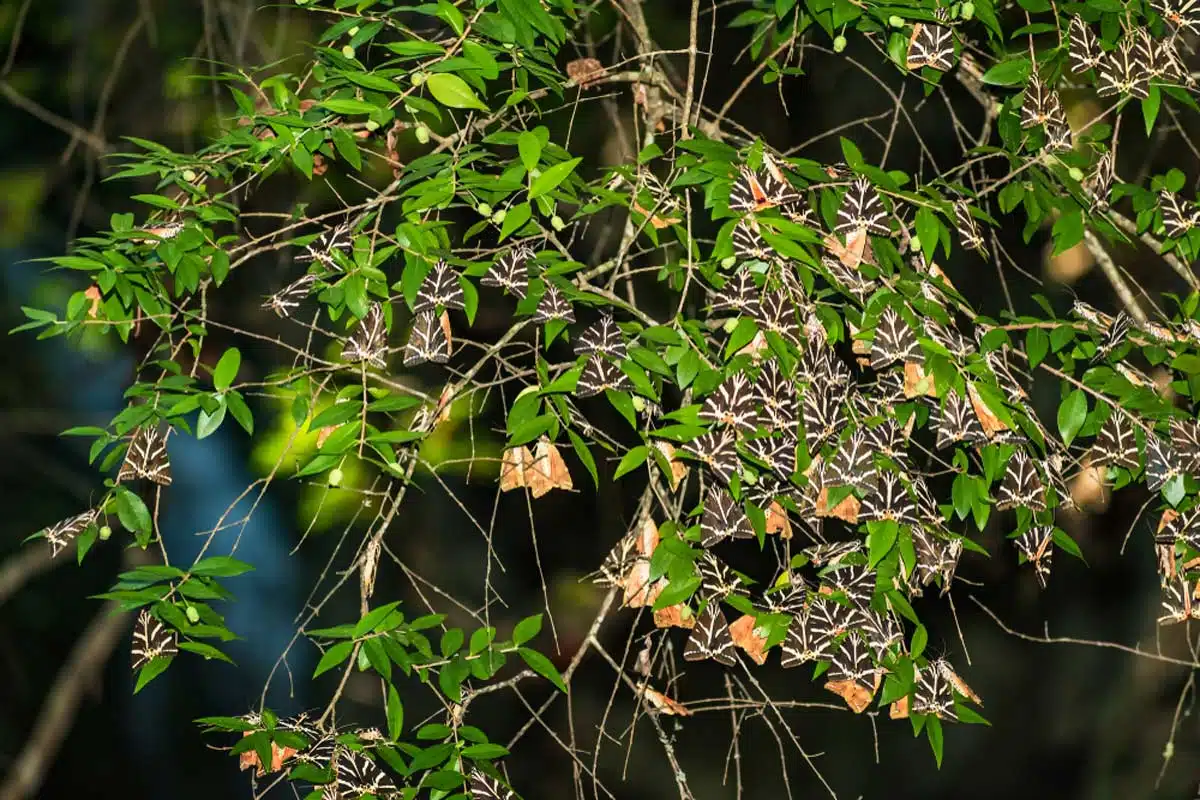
710 638
599 375
1115 444
1083 50
1124 71
777 453
956 422
776 396
968 228
1181 14
1037 545
748 242
1114 337
933 695
439 289
739 294
289 297
723 519
862 208
61 534
732 404
603 337
368 342
1021 487
889 500
152 639
484 787
147 457
510 272
1185 438
1161 463
930 46
717 451
803 644
824 414
1099 183
1179 216
427 341
553 306
852 464
894 341
358 775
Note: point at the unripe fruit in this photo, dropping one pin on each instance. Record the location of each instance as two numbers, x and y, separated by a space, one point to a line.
499 216
335 477
189 175
1076 173
639 405
839 44
418 78
535 172
968 10
730 325
105 532
484 210
728 262
193 616
557 223
372 125
353 31
915 243
895 21
348 51
422 134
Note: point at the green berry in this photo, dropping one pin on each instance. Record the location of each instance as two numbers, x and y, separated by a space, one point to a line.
968 10
557 223
750 478
348 51
422 134
499 216
535 172
105 532
372 125
1076 174
418 78
639 405
484 210
193 616
353 31
728 262
335 477
730 325
189 175
895 21
839 44
915 243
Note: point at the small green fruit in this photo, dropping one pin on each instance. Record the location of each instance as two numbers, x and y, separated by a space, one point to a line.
639 405
353 31
557 223
348 51
534 173
193 616
418 78
189 175
1076 174
335 477
484 210
372 125
915 243
895 21
839 44
750 478
105 532
728 262
422 134
730 325
499 216
968 10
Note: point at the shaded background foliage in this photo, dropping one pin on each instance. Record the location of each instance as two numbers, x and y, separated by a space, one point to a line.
1068 720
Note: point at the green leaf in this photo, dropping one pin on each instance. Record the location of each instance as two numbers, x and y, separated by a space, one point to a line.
208 423
542 666
227 369
1008 73
453 92
880 540
1068 230
632 460
585 455
132 512
933 729
347 106
152 670
1150 108
530 148
1037 344
220 567
1071 415
515 219
552 177
920 638
395 714
526 629
333 656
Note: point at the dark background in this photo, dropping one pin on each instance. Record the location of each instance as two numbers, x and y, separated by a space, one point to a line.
1067 720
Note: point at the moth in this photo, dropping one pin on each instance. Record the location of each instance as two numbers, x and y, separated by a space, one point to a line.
147 456
553 306
152 639
599 375
1099 183
510 271
484 787
829 618
1021 487
1179 602
853 676
852 464
856 582
788 595
289 297
323 248
776 453
710 638
824 414
1181 14
62 533
1114 336
889 500
1185 439
1162 465
1115 444
732 404
604 338
956 422
1083 49
1036 545
368 341
803 644
358 775
936 559
762 189
968 230
831 553
775 395
428 340
862 208
748 242
1179 216
548 470
1125 71
894 341
1041 105
716 450
930 45
723 519
778 314
933 695
739 295
440 289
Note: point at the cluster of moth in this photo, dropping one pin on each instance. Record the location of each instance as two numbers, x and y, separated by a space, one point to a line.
349 760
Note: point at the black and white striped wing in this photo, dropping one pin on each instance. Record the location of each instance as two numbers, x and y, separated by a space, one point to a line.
778 313
1116 444
147 456
968 229
1166 64
894 341
889 500
510 272
1185 438
322 249
723 519
1178 602
1099 183
739 294
930 46
368 341
829 619
855 581
803 644
717 451
1179 216
1179 14
824 414
776 397
852 662
1038 104
831 552
358 775
1162 465
484 787
717 579
748 242
1058 132
289 297
862 208
956 422
61 534
710 638
1125 71
732 404
600 374
1083 49
1021 487
604 338
1114 337
776 453
553 306
427 341
852 464
152 639
747 193
933 695
1037 546
440 289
